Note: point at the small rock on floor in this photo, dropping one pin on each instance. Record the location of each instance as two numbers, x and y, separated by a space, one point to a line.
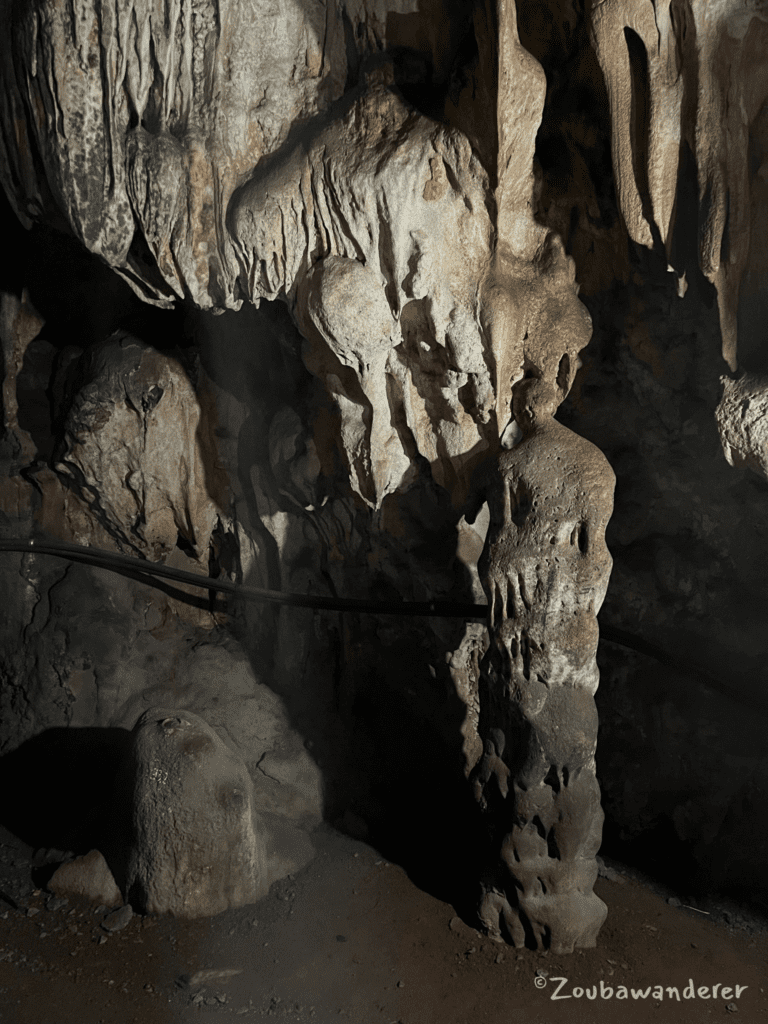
118 918
607 872
89 876
45 856
206 977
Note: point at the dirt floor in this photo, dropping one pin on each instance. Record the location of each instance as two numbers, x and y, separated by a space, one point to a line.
352 938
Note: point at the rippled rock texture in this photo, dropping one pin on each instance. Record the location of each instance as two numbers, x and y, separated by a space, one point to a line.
545 570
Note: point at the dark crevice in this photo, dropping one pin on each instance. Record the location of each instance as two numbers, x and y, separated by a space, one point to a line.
639 117
564 374
539 826
523 503
552 848
530 935
65 807
184 545
583 538
552 779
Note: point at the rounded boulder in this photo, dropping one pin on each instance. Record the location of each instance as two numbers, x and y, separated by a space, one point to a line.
194 846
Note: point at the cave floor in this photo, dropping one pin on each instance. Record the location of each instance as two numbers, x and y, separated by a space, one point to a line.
351 938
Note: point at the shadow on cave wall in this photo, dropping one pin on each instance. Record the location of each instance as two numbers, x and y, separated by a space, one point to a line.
372 697
403 725
680 761
57 786
81 299
384 722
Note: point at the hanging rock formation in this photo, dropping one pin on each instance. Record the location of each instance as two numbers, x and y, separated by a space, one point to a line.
376 233
686 73
146 118
178 165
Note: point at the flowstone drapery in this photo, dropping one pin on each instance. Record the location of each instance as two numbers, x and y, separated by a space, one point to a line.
545 569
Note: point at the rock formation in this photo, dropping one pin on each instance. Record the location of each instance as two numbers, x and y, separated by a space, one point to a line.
194 846
399 214
692 74
742 422
545 570
139 466
89 876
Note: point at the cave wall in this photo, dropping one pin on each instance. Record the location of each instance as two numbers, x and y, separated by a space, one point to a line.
681 758
390 209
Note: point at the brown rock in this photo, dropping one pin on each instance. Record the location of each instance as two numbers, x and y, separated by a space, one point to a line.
87 876
118 919
196 845
132 451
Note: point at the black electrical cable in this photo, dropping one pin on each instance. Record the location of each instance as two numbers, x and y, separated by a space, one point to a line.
436 609
123 563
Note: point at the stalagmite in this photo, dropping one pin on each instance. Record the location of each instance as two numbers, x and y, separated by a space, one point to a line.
545 569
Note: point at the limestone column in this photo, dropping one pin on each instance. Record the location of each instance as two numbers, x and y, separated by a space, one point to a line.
545 569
